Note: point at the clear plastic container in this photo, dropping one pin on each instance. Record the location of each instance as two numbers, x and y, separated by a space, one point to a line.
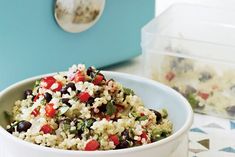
192 49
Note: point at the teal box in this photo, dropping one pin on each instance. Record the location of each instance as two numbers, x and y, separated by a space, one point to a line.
32 43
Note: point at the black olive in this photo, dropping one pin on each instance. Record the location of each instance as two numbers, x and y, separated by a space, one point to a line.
231 110
66 101
89 71
23 126
71 85
78 135
115 119
48 97
123 144
64 91
90 100
27 93
79 132
125 134
33 97
205 76
11 130
158 115
102 108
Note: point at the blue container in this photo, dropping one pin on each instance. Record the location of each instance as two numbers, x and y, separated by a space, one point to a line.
32 43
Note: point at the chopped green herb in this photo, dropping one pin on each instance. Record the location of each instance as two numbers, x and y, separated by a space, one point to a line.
89 122
43 102
66 126
73 130
142 118
110 108
8 117
192 100
80 125
156 134
128 91
156 131
164 134
132 133
37 83
134 114
164 113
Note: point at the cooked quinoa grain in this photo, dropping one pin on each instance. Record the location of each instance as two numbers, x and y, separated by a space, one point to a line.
81 110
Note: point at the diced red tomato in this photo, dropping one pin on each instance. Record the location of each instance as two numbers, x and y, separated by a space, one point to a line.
35 112
84 96
47 82
203 95
36 97
92 145
119 108
59 87
170 76
79 77
138 142
98 79
46 129
142 114
115 139
144 135
50 111
107 117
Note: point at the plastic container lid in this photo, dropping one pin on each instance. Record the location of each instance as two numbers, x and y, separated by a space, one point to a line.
208 32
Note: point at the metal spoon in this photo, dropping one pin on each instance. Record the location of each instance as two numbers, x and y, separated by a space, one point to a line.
78 15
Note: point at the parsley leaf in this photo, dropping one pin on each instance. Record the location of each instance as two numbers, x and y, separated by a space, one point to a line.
128 91
37 83
110 108
192 100
142 118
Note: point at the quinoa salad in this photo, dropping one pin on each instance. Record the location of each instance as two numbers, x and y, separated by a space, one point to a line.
209 87
82 110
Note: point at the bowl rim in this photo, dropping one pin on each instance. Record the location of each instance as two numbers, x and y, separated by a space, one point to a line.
186 126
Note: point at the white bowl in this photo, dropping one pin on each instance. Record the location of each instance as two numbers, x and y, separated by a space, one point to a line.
154 95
